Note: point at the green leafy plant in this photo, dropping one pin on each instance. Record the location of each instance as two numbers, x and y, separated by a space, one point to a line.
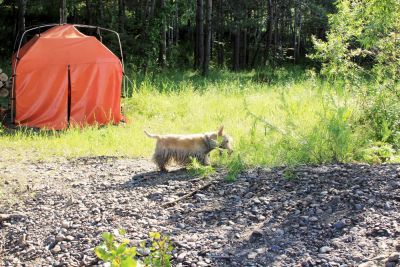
159 251
378 152
119 254
289 173
235 167
195 168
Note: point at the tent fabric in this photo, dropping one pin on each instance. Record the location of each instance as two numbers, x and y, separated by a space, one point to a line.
64 77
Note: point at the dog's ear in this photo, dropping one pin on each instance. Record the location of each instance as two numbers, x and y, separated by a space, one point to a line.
221 131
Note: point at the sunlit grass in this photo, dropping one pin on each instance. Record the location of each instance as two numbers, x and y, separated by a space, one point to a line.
184 102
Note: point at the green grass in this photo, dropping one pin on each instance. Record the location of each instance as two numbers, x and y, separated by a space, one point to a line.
311 119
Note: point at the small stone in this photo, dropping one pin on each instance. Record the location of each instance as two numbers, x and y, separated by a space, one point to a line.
325 249
22 240
394 257
181 256
65 224
359 207
397 247
200 196
339 225
261 218
313 219
252 255
60 237
69 238
56 249
261 250
256 234
237 235
201 263
275 248
256 200
390 264
279 232
70 202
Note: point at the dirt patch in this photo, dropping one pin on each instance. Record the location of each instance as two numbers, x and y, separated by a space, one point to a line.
335 215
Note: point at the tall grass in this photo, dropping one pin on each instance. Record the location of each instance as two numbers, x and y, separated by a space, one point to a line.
275 117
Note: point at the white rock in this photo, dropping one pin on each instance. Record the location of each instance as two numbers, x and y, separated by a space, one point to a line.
252 255
325 249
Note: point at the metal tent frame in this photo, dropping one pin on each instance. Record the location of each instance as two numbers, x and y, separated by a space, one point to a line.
99 29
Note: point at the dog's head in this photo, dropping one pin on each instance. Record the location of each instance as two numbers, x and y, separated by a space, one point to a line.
221 140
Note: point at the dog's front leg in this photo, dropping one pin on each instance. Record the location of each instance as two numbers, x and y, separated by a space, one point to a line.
206 160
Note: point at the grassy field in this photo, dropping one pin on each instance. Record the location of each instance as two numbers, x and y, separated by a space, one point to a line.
275 117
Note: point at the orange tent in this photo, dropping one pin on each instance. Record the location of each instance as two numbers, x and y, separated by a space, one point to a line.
63 77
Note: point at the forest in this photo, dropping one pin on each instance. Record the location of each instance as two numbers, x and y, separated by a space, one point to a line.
237 35
296 103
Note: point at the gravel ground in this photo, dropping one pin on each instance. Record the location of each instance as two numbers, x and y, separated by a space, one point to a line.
334 215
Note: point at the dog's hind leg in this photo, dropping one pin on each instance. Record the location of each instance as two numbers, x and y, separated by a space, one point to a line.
161 161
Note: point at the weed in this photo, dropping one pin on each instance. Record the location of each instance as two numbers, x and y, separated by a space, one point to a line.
289 173
378 152
195 168
235 167
119 254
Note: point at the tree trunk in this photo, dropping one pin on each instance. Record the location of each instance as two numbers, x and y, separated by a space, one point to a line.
269 30
297 51
176 29
63 11
220 35
244 54
276 33
199 35
21 17
101 12
236 50
88 13
162 58
295 31
207 49
15 17
121 15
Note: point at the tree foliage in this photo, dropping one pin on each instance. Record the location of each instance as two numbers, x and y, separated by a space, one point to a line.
237 34
364 39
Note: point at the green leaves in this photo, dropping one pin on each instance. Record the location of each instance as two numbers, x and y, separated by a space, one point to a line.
195 168
360 34
119 254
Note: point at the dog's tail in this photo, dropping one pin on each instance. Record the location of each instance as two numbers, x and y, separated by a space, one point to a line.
151 135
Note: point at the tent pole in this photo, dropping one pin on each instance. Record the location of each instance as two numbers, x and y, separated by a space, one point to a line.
119 42
14 70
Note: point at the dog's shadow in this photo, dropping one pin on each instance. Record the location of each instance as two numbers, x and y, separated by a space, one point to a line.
153 178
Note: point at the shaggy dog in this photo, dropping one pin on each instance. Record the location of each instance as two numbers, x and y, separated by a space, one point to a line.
182 148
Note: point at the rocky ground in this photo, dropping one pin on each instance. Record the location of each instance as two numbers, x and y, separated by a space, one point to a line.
335 215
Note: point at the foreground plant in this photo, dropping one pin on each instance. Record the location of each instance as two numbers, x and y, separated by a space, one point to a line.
195 168
119 254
